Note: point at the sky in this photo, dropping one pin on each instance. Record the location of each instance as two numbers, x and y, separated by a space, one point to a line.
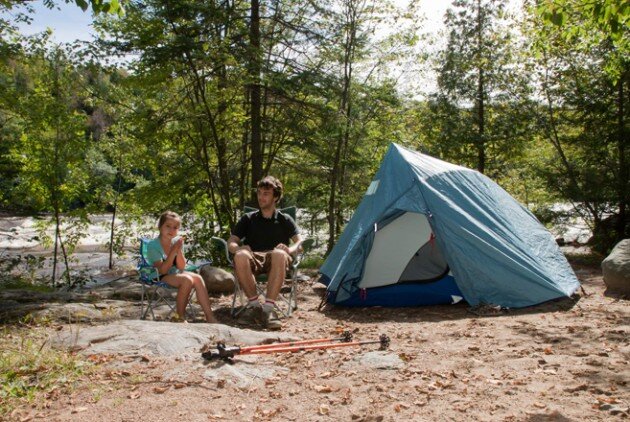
70 23
67 21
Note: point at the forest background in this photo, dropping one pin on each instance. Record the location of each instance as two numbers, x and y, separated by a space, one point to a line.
184 105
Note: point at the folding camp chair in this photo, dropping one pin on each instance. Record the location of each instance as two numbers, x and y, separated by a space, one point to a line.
156 292
287 302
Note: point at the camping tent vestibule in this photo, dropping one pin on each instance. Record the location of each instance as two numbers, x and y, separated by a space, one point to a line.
429 232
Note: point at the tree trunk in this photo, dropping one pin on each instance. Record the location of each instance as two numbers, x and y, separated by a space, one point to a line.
481 148
622 187
254 95
334 215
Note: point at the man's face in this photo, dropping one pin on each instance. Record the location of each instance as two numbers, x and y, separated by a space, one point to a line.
266 199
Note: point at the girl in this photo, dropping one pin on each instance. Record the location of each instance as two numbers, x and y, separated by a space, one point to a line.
166 254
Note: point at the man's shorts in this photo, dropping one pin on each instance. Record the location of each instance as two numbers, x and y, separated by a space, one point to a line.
261 262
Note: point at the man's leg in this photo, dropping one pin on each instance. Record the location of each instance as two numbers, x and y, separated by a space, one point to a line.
277 273
247 281
276 276
244 274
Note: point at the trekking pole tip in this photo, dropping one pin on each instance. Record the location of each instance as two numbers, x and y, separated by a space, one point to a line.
384 341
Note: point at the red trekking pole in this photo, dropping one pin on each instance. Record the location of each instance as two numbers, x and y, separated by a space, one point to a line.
227 353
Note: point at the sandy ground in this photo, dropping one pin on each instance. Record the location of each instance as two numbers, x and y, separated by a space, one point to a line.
562 361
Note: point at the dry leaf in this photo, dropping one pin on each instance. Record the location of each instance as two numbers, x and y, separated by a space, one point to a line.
548 351
159 390
324 409
133 395
323 388
79 409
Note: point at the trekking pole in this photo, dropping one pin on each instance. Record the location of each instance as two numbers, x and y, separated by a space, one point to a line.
227 353
346 337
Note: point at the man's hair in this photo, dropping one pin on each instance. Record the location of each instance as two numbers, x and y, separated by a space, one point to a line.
168 215
270 182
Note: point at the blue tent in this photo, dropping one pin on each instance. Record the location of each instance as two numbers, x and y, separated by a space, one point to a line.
429 232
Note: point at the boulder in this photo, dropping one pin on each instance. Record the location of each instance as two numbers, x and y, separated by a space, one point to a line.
616 268
217 280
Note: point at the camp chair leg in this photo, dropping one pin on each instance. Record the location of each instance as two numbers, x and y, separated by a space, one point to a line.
142 294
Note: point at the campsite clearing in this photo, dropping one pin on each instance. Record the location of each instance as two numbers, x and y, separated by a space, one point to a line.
566 360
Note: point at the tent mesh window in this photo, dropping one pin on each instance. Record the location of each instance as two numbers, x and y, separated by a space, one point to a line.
426 265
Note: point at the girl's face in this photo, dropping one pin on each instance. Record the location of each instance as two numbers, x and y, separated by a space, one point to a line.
169 229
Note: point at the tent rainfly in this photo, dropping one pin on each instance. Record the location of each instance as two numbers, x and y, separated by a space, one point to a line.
430 232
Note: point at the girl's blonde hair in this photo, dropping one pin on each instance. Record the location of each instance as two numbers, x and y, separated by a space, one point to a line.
169 215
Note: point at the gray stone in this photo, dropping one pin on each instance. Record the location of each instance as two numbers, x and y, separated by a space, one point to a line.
244 373
217 280
616 268
379 360
137 337
107 310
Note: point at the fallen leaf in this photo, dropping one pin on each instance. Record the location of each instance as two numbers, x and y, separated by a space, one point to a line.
323 388
133 395
79 409
324 409
159 390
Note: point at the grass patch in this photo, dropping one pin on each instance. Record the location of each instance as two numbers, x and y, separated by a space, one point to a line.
312 262
18 283
30 368
592 259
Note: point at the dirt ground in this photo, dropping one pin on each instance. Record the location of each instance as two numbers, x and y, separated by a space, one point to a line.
566 360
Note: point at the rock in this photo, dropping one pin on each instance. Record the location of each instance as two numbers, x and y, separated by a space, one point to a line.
243 376
149 338
616 268
379 360
217 280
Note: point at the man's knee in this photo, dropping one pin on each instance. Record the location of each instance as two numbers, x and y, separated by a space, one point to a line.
242 257
279 257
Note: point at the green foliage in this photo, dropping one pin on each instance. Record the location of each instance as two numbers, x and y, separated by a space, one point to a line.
31 367
584 120
590 23
25 267
170 128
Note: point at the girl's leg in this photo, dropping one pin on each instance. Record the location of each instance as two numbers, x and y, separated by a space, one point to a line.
202 297
184 284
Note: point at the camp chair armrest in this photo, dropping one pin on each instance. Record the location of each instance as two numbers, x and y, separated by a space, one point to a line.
222 244
305 246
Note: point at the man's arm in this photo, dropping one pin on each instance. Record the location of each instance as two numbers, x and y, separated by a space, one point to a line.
297 243
234 244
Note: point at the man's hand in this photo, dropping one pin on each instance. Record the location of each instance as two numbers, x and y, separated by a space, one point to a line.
244 248
283 247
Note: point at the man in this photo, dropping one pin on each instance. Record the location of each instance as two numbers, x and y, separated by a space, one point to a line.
266 235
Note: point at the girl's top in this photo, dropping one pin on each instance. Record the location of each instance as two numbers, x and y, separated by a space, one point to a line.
155 253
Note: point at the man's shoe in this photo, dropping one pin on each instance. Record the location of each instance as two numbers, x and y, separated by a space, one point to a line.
251 315
271 321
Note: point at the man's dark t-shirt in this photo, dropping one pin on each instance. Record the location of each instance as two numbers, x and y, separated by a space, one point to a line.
264 234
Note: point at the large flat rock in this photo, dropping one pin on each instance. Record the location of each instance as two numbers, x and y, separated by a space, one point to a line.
137 337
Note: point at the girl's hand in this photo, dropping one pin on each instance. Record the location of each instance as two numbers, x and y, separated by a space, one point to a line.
179 244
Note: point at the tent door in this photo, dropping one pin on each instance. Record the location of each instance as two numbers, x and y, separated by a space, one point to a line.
399 249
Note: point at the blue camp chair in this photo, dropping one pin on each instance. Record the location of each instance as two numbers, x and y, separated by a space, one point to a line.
156 292
287 302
